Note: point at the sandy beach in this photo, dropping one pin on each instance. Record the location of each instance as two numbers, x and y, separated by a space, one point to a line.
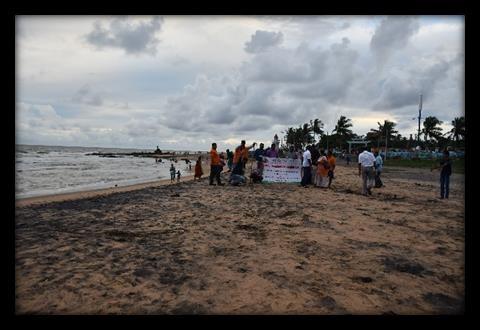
191 248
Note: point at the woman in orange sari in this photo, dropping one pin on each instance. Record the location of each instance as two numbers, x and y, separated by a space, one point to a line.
322 170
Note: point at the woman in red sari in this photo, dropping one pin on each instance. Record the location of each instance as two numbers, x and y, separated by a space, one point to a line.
198 168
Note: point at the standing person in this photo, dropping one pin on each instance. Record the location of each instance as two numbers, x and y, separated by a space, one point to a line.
332 161
259 153
172 173
178 176
291 153
366 163
272 152
446 170
240 158
378 169
322 171
307 168
215 168
198 169
348 159
315 156
229 160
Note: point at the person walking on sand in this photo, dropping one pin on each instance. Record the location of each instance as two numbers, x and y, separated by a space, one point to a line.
378 169
332 161
172 173
215 167
198 169
366 163
323 167
446 170
178 176
307 168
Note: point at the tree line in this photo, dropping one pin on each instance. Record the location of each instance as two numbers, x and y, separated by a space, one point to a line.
384 135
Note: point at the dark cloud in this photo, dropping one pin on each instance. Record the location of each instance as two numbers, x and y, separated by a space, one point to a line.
123 34
262 40
85 95
398 92
391 35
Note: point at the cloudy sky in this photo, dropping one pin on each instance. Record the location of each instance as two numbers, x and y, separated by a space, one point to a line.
182 82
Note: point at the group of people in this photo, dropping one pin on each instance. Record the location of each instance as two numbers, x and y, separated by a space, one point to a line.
318 166
173 172
236 162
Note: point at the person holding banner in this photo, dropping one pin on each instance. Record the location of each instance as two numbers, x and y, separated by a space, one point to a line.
307 168
259 153
272 152
292 154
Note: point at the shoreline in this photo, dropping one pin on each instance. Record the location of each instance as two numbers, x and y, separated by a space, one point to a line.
27 201
43 199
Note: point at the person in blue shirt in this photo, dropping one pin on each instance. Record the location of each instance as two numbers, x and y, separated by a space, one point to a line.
445 172
378 170
258 155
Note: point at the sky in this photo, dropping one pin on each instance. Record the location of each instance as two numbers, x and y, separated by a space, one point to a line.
183 82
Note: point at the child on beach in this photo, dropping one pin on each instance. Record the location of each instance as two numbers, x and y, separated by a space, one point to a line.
172 173
178 176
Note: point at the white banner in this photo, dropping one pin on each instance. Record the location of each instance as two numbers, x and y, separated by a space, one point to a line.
282 170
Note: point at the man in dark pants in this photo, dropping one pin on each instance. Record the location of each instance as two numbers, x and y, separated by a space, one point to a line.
307 168
446 171
215 167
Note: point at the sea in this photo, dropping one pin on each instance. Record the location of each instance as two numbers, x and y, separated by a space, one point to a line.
49 170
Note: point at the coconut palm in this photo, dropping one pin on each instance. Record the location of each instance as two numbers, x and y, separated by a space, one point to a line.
431 128
343 127
317 127
342 130
381 133
458 129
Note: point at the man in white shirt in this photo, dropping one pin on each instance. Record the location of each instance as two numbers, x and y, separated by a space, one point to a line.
307 168
366 166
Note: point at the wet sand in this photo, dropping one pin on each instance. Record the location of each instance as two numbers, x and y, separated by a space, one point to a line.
191 248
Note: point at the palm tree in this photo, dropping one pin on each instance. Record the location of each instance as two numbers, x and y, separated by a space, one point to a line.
431 129
374 135
342 130
383 130
307 130
317 127
458 129
343 126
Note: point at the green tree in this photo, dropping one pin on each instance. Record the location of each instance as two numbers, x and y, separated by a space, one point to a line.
317 128
342 131
343 126
431 129
379 135
458 130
